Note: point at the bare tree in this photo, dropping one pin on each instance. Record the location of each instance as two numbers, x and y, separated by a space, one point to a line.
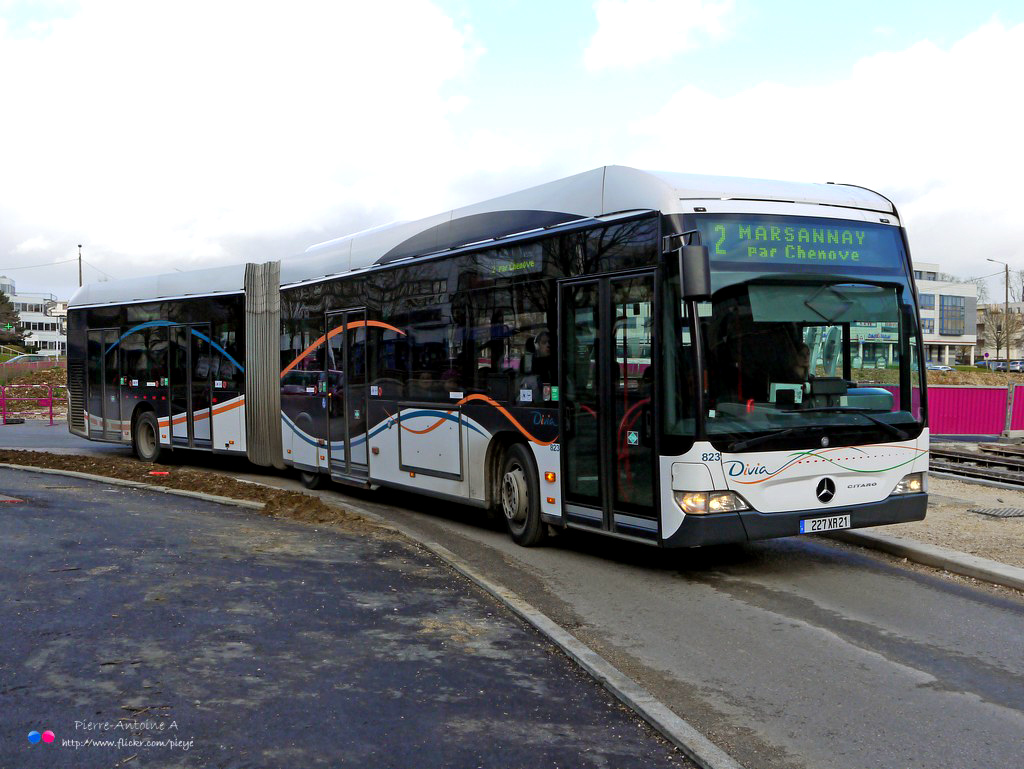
1000 328
1017 285
982 286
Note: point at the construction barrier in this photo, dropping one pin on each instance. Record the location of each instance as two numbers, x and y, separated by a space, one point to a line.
21 402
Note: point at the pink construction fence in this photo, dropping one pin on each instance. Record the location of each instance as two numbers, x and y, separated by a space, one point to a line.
20 402
956 410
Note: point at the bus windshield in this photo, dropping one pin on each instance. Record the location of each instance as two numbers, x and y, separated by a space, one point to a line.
814 354
811 334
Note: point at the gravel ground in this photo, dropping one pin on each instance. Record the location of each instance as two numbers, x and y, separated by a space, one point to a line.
951 524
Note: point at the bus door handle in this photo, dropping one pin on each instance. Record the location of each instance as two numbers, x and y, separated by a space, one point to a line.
647 426
570 419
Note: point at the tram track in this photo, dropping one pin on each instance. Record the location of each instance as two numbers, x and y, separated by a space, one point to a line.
991 462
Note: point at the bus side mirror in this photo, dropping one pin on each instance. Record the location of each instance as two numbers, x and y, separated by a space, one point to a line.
695 272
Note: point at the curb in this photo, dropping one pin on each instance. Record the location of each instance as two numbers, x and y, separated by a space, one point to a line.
940 557
139 485
676 730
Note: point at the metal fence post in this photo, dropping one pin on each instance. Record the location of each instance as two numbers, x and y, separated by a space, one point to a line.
1010 388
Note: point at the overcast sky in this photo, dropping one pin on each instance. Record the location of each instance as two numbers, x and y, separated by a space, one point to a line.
168 136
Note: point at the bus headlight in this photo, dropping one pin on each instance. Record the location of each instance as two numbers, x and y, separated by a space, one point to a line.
914 483
702 502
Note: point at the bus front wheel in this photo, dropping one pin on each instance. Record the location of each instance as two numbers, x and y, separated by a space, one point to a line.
146 437
520 497
311 480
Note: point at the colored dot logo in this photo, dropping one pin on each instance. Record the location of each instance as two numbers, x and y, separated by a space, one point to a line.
46 737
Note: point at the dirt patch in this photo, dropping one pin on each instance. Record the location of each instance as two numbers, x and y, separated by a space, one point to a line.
29 396
950 523
51 377
980 378
278 502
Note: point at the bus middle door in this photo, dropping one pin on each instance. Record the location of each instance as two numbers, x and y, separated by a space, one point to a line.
609 462
346 393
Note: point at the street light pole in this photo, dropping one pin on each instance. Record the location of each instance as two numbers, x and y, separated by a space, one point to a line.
1006 308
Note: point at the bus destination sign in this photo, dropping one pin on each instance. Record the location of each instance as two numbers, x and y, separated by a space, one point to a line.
800 241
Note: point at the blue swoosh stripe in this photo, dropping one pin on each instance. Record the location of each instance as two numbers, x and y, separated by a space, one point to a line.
155 323
380 428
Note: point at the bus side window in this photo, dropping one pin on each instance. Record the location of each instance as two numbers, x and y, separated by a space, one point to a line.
307 365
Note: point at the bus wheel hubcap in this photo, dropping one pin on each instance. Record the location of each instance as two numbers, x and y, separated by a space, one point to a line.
514 497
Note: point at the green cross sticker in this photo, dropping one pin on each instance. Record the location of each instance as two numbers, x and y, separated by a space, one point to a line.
8 326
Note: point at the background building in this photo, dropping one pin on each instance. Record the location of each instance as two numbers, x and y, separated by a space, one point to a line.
43 317
949 315
995 327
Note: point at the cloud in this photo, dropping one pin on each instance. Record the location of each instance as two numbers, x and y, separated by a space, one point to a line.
33 245
631 33
935 129
167 130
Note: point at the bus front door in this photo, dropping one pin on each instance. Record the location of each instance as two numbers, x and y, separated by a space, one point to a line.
609 464
189 385
346 393
103 379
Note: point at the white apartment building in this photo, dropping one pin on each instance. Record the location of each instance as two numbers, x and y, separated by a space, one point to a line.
43 317
949 314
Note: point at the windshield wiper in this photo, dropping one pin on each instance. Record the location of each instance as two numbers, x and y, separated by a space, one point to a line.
749 443
892 429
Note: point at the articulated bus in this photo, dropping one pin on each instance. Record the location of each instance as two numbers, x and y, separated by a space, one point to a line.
671 359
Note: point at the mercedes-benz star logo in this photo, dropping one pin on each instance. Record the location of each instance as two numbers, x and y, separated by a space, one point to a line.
826 489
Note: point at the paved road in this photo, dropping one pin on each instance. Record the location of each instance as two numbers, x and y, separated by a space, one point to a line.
789 653
39 434
268 643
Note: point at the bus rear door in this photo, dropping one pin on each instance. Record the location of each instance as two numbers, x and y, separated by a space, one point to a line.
190 363
103 379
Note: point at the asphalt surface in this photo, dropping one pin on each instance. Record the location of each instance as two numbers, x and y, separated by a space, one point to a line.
798 652
258 642
39 434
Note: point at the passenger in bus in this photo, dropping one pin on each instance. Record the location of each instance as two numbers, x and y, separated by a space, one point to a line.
450 383
422 386
801 367
542 365
537 368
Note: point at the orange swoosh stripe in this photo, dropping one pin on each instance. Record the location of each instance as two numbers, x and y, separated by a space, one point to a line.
205 414
334 332
495 404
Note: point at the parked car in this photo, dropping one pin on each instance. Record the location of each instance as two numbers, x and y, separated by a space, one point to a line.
1017 365
938 367
999 365
30 358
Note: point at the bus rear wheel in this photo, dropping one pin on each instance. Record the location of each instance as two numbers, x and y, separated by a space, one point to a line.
520 497
146 437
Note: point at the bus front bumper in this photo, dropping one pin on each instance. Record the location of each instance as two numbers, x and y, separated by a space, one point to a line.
750 525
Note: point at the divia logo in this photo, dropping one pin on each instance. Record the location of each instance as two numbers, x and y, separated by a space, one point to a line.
735 468
541 419
47 737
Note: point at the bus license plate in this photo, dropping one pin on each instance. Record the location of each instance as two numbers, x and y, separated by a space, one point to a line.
833 522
